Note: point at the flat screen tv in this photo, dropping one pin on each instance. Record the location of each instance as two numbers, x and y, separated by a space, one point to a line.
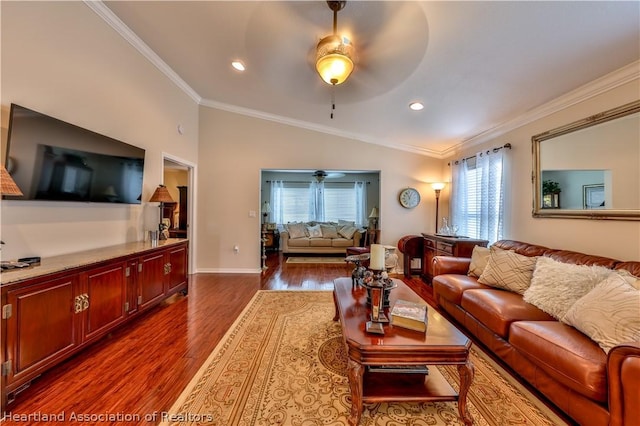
50 159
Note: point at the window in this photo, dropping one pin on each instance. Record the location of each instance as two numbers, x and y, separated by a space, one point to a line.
340 203
324 202
295 203
477 201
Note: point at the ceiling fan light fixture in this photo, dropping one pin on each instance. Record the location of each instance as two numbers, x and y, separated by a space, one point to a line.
335 53
334 60
237 64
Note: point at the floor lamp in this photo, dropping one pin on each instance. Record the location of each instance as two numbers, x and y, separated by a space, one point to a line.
437 186
266 209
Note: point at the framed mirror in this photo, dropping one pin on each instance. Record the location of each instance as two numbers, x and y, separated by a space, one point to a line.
589 169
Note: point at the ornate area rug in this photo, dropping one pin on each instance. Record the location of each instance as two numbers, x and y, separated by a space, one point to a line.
283 362
318 259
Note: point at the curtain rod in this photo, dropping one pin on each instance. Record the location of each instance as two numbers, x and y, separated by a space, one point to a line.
487 152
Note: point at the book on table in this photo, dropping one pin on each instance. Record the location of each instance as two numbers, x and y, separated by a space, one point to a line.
411 315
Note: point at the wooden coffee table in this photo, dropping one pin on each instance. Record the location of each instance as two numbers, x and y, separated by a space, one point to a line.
442 344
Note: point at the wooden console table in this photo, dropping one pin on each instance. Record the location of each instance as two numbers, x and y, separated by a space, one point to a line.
53 310
440 245
441 344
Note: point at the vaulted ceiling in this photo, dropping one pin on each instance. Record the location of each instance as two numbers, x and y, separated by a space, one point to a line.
477 66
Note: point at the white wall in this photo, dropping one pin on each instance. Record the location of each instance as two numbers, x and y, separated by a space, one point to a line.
610 238
62 59
235 148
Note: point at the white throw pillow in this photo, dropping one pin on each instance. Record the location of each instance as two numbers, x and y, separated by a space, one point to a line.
347 231
629 277
609 314
479 259
314 231
329 231
508 270
343 223
297 230
555 286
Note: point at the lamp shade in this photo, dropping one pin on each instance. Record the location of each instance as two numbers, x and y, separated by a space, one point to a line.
374 213
161 195
334 60
438 185
266 208
7 185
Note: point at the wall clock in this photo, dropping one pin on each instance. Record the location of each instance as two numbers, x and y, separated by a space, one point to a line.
409 198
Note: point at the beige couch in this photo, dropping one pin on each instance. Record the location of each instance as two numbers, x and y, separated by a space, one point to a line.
319 237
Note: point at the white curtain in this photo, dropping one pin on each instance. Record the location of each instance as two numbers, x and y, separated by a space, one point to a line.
361 204
277 206
316 202
477 202
458 198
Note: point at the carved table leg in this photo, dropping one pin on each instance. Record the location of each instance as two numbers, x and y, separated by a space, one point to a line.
336 315
466 372
355 371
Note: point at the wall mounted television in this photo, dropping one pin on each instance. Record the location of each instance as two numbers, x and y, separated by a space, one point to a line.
50 159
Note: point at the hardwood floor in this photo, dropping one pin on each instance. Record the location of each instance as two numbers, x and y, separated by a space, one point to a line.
134 374
141 368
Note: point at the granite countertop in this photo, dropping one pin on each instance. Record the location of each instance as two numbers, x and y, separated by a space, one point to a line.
50 265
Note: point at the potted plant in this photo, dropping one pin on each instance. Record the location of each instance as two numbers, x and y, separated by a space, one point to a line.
550 187
550 194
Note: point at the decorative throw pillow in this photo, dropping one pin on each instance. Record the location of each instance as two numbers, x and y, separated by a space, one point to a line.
555 286
609 314
629 277
479 259
314 231
297 230
347 231
508 270
329 231
343 223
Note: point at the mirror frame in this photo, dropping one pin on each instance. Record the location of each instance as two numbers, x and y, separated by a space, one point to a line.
538 211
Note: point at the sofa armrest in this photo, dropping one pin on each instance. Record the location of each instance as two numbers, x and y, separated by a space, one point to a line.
357 236
450 265
284 241
623 367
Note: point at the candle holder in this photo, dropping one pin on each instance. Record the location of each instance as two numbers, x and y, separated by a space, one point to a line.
379 286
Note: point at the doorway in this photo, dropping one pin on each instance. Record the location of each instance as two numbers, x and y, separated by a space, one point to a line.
178 177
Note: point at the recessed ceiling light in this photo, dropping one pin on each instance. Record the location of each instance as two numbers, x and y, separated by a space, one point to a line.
238 65
416 106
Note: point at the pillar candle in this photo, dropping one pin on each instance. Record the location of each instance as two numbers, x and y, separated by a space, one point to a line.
377 257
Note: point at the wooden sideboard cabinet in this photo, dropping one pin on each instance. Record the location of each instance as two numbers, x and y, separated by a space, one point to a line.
51 311
437 245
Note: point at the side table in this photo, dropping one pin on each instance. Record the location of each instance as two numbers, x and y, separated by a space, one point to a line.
441 245
272 239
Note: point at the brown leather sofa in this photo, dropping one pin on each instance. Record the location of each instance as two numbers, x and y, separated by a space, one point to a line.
569 368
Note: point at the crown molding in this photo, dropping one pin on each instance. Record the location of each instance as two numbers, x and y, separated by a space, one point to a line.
609 81
594 88
121 28
314 127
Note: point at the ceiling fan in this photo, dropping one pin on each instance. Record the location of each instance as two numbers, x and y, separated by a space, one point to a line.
321 175
390 39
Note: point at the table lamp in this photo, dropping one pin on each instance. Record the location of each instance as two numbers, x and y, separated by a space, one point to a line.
374 218
7 185
161 195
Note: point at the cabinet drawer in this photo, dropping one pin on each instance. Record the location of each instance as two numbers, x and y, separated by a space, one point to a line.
429 243
444 247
